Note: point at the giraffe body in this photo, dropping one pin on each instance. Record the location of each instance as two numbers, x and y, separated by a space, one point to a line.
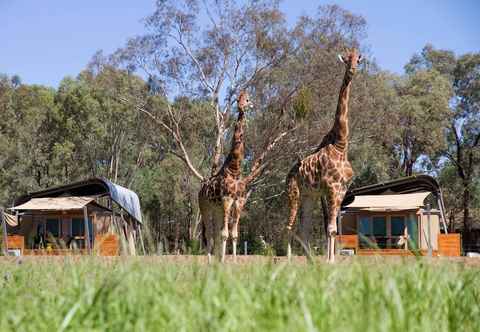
326 173
222 197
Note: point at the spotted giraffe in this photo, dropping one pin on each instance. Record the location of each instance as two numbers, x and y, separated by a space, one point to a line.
223 196
325 174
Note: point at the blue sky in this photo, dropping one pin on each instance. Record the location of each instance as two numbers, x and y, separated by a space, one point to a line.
43 41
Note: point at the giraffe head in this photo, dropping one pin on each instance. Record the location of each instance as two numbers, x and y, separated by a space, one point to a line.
244 102
351 59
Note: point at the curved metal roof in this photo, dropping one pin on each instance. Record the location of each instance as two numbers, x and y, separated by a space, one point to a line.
411 184
125 198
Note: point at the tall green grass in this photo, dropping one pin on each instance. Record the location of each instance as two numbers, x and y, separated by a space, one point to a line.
148 294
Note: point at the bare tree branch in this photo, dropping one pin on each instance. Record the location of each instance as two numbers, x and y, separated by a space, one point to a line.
174 133
259 164
189 52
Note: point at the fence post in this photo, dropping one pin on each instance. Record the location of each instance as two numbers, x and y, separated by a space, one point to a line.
245 252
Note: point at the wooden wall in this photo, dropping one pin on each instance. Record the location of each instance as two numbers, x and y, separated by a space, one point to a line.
107 245
348 241
449 244
16 242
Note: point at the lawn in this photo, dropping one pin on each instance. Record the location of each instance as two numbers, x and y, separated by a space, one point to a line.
155 294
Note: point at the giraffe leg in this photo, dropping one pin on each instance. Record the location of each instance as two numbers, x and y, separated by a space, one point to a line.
293 200
306 223
217 219
237 211
227 210
236 219
335 198
293 190
208 226
210 242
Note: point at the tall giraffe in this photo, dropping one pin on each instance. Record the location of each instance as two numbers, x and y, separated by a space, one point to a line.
326 173
223 195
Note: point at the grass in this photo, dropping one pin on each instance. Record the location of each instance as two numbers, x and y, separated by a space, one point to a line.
155 295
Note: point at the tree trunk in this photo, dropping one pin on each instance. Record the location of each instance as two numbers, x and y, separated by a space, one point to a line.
466 210
451 222
408 169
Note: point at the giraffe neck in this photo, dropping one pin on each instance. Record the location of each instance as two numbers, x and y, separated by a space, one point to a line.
233 163
339 131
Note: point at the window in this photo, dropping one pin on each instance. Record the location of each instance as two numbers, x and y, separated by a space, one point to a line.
78 227
379 226
365 226
375 231
53 227
412 228
398 226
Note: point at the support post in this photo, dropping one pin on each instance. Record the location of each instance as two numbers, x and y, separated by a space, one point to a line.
245 252
340 232
88 245
130 238
5 235
139 228
441 206
114 225
289 252
429 232
339 225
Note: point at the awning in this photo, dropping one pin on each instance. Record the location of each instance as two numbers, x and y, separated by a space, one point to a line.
55 203
389 202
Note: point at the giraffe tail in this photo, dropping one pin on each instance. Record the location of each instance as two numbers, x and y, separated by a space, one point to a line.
293 191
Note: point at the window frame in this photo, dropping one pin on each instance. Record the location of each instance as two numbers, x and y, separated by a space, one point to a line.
388 227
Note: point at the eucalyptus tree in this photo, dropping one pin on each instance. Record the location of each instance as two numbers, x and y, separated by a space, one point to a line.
464 153
26 114
463 129
424 113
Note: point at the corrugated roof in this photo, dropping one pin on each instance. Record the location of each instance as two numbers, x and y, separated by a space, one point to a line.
389 202
55 203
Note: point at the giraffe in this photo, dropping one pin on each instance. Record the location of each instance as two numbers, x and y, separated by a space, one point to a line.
223 196
326 173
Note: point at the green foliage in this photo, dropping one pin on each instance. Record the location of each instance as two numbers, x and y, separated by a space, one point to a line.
424 115
88 294
302 104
